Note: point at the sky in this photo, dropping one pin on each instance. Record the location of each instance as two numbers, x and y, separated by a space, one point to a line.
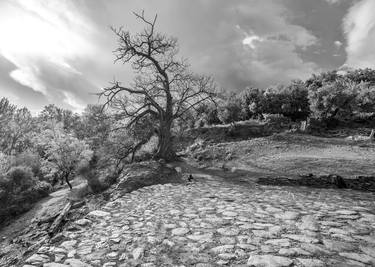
60 51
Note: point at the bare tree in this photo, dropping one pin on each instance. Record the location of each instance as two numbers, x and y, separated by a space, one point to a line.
163 89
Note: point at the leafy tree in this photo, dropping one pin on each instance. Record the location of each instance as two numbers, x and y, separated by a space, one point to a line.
230 110
163 88
62 152
16 125
52 113
96 125
208 112
333 99
361 76
295 101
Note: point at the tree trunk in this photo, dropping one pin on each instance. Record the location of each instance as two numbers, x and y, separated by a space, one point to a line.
67 181
165 146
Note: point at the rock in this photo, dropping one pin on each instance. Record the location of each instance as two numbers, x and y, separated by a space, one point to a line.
230 213
38 259
288 215
358 257
76 263
368 250
83 222
293 252
222 249
227 256
283 242
99 213
346 212
315 249
112 255
201 238
308 223
180 231
269 261
311 262
301 238
55 264
228 231
138 253
338 246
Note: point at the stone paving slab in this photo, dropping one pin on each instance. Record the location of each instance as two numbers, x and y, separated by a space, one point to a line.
222 224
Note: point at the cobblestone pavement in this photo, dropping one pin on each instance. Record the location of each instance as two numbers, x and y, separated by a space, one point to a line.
217 223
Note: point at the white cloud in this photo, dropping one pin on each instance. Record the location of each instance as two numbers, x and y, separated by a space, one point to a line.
51 32
338 44
359 27
251 41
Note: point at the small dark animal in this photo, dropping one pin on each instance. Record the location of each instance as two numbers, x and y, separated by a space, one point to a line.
338 181
190 178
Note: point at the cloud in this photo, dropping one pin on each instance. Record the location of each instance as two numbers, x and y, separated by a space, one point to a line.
338 44
61 49
359 27
262 47
35 33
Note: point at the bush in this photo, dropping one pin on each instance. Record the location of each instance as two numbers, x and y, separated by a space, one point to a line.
89 170
30 159
277 119
20 178
230 111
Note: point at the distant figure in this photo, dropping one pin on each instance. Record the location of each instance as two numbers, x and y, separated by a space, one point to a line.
190 178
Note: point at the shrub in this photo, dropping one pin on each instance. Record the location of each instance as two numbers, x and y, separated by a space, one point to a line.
230 111
89 170
277 120
30 159
21 178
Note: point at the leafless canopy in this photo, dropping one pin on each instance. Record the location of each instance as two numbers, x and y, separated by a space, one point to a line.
163 87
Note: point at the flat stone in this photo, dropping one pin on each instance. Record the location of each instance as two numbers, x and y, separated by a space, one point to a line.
228 231
293 252
308 223
227 240
99 213
76 263
83 222
368 250
54 264
301 238
201 237
288 215
315 249
269 261
68 245
38 259
230 213
222 249
180 231
138 253
113 255
358 257
338 246
227 256
311 262
346 212
282 242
